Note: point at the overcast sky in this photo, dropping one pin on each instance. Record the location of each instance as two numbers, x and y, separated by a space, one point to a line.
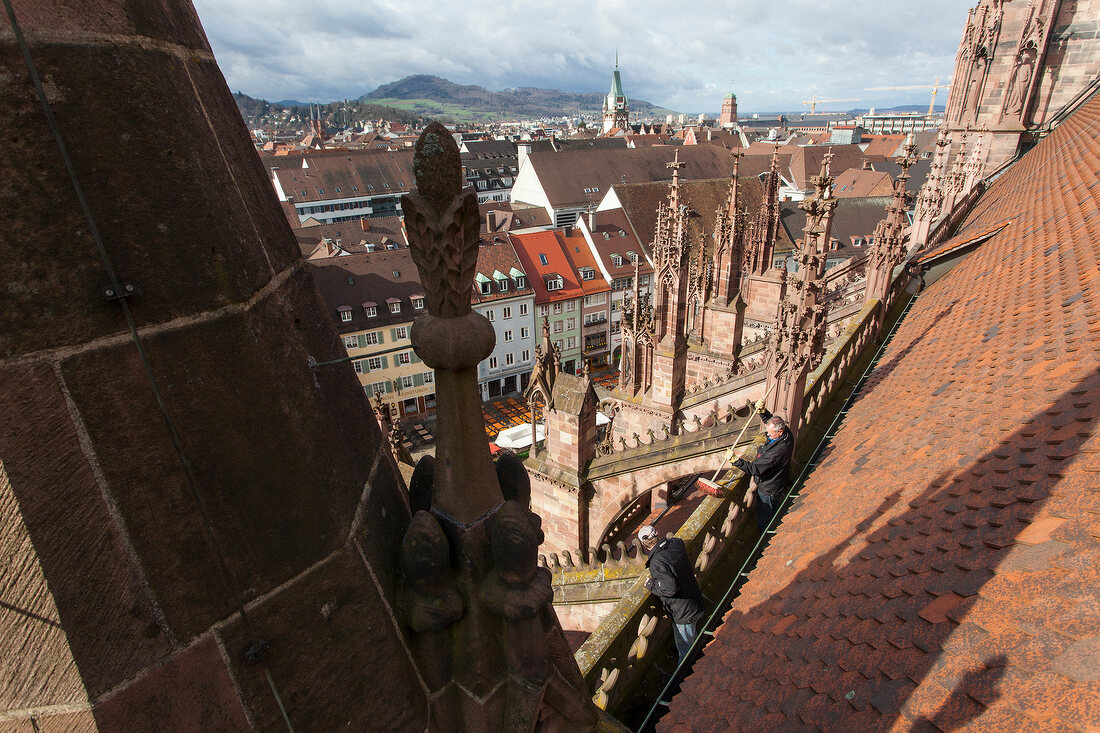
685 57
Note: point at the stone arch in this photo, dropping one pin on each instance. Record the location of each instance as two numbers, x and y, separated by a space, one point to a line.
614 494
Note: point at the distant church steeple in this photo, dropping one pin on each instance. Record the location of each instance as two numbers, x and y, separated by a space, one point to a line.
616 111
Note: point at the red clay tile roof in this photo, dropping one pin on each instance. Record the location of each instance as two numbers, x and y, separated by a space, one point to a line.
884 145
858 182
528 246
942 566
806 161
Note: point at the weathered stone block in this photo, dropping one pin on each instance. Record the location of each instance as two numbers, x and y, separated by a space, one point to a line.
80 621
191 692
280 452
335 656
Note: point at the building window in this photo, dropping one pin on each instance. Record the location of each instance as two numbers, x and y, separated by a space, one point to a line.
633 257
429 377
557 309
643 280
507 335
617 260
406 382
557 344
587 273
509 359
502 285
543 260
418 304
571 324
371 338
571 342
395 307
526 355
429 400
544 310
404 357
401 332
374 363
351 342
521 282
554 283
357 365
557 326
378 387
345 316
571 306
491 314
523 309
492 362
507 311
486 288
524 332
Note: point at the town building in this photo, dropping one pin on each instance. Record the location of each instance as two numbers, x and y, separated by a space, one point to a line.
559 297
337 186
616 109
619 258
373 299
728 116
504 295
569 183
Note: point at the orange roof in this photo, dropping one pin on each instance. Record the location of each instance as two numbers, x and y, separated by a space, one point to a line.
533 248
579 253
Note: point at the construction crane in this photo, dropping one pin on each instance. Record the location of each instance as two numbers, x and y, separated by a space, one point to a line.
814 101
934 87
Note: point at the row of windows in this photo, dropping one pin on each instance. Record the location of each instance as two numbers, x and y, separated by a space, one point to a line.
486 285
570 343
407 382
374 338
510 359
595 299
570 306
372 310
374 363
505 312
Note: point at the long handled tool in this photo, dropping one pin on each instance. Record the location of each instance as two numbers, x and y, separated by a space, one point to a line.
710 486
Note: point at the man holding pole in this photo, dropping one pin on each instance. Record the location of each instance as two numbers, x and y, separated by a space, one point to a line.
770 467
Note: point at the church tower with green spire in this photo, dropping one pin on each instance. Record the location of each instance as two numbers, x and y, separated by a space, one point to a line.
616 111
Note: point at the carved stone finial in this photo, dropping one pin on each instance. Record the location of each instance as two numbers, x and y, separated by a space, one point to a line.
443 228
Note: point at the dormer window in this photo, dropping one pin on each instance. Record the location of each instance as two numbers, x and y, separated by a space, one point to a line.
521 282
345 313
394 304
617 260
587 273
417 302
371 309
554 282
633 257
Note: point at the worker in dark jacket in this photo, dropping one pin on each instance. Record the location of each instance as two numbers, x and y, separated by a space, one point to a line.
771 465
672 580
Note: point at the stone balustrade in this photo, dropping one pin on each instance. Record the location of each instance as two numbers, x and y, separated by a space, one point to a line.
618 654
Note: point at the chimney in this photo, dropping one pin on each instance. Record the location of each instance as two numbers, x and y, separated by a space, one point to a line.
364 223
592 220
491 220
710 134
523 149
